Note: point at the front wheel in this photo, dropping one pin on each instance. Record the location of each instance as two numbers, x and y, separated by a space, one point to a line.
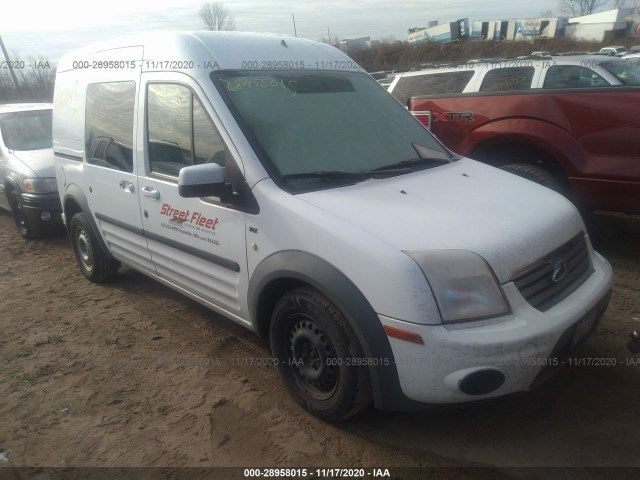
95 263
318 355
24 226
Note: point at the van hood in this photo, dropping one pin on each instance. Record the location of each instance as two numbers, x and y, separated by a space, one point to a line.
509 221
40 162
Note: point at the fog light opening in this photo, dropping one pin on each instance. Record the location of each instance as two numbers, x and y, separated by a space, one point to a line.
482 382
45 216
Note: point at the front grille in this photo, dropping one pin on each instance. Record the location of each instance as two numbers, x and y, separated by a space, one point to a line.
555 276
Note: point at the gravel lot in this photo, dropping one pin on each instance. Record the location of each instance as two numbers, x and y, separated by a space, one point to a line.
122 374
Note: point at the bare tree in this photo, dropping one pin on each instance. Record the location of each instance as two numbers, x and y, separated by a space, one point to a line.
634 5
577 8
216 16
35 78
388 40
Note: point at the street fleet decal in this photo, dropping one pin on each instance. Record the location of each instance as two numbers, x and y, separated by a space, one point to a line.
192 224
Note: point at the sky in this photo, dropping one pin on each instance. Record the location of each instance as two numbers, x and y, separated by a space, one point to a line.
45 28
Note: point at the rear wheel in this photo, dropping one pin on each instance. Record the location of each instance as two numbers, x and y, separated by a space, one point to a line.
25 228
95 263
535 174
319 357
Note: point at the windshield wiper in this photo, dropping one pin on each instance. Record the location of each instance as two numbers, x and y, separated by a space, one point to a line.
341 175
427 157
405 165
328 174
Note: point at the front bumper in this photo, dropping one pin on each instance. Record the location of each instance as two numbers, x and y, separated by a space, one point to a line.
491 358
35 205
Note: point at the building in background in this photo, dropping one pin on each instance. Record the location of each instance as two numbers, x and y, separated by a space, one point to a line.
518 28
447 32
599 27
489 29
355 44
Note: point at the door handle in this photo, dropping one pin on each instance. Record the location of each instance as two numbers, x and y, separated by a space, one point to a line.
127 186
151 193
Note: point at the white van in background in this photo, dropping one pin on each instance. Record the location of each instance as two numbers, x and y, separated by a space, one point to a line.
274 181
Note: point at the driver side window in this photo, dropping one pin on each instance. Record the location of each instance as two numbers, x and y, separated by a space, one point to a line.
180 132
207 144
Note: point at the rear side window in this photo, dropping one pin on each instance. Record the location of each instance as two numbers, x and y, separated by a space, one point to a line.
109 125
572 76
180 132
505 79
627 71
432 84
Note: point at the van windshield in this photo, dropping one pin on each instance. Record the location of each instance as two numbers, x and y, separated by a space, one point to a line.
26 130
315 130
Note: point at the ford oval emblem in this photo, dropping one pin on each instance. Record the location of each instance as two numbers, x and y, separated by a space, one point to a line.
559 271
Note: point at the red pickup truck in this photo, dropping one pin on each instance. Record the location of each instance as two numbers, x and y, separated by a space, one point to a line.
582 141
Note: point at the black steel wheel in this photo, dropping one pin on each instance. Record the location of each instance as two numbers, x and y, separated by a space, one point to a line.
318 355
313 358
95 263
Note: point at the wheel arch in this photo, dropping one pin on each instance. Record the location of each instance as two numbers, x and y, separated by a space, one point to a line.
495 153
290 269
11 184
537 137
75 201
286 270
520 150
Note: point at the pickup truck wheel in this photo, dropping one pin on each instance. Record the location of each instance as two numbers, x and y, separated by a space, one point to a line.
25 229
95 263
535 174
317 356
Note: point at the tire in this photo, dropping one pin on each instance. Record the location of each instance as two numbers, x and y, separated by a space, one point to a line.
95 263
314 348
535 174
25 228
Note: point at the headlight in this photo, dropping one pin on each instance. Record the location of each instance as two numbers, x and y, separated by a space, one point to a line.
40 185
464 286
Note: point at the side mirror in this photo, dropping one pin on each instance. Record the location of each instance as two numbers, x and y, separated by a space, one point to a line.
201 181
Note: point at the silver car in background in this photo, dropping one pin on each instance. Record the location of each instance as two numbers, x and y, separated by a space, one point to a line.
27 177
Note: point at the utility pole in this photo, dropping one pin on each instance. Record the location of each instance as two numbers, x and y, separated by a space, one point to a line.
294 24
13 74
329 35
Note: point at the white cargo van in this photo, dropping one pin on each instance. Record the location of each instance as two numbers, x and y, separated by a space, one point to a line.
274 181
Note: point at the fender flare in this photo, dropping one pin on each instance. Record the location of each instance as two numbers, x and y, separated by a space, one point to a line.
303 267
14 183
74 193
550 138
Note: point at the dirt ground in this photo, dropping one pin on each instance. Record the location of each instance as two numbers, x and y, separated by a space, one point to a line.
124 374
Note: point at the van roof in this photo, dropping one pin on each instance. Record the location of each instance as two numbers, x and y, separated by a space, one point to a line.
225 50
